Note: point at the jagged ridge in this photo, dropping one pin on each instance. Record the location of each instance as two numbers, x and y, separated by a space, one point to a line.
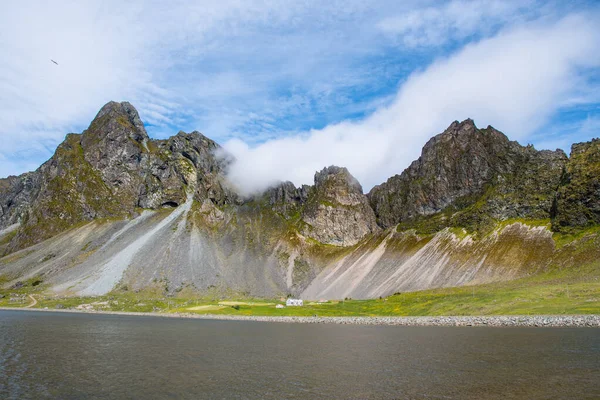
329 239
467 177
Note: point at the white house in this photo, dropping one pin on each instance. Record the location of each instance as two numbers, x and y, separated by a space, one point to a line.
279 306
294 302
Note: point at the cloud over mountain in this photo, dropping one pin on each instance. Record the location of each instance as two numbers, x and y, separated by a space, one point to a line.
260 71
514 81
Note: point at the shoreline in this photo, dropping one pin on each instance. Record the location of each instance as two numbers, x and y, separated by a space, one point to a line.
549 321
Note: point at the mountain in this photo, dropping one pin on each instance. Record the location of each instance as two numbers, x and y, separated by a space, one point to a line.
113 210
110 171
466 176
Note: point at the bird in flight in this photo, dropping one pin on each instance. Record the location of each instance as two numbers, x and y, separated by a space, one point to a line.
54 61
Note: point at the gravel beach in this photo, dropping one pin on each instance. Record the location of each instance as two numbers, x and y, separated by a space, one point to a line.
591 321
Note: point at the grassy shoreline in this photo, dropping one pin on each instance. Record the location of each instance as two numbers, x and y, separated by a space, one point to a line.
559 292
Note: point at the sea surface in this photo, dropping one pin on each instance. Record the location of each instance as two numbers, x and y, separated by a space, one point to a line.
91 356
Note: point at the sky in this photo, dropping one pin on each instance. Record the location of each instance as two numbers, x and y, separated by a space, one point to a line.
289 87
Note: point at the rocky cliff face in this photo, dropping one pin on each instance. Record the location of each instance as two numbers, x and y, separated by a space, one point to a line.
578 198
114 146
109 171
286 199
337 212
477 172
16 194
334 211
115 210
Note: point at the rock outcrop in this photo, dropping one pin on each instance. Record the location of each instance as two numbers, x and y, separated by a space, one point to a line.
578 198
286 198
114 146
336 211
469 167
16 194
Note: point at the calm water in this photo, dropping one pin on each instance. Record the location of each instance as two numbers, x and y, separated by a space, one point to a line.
78 356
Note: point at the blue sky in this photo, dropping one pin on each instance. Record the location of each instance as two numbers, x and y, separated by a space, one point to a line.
292 86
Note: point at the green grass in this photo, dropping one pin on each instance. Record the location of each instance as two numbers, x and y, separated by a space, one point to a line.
561 291
523 297
563 238
115 302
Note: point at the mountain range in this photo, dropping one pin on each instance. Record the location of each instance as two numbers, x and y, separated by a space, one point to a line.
113 210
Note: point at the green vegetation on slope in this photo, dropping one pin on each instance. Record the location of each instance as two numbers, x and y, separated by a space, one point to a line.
75 194
577 202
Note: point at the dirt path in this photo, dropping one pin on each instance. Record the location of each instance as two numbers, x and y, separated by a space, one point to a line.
34 301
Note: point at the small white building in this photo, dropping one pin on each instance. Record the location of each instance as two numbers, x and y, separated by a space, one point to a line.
279 306
294 302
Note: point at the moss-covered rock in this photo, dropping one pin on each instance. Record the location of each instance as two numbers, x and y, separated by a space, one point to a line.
111 170
469 177
336 210
578 199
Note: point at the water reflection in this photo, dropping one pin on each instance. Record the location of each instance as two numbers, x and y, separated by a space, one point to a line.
58 355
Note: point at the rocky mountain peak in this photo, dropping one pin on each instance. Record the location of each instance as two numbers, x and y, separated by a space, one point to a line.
465 135
462 164
197 148
116 119
113 145
591 148
110 170
578 199
337 212
332 178
285 198
456 127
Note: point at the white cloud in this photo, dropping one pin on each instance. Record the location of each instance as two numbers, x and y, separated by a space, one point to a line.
178 63
454 20
514 81
267 69
42 101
